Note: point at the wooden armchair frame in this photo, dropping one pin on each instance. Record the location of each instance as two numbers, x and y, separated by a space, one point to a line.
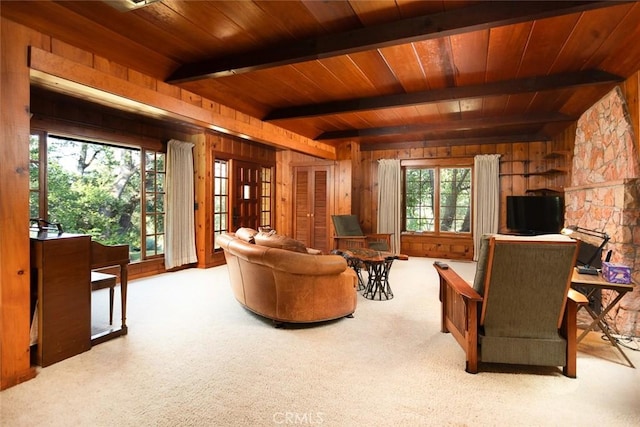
461 315
355 238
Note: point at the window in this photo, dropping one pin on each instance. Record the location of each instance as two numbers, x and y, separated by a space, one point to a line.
154 213
220 199
36 184
266 174
96 189
437 199
419 199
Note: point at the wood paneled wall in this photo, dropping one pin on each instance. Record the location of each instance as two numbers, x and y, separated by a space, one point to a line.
523 166
211 146
15 298
340 192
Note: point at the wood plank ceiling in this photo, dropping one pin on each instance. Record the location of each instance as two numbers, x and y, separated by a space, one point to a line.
386 73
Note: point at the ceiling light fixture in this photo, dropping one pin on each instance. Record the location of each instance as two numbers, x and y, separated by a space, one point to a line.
127 5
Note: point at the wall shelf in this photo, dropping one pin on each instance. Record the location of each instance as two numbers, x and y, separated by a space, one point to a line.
555 170
553 191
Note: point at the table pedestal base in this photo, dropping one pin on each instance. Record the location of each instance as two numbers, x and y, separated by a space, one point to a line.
378 283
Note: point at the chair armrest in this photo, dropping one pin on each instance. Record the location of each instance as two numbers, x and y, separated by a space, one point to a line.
577 297
349 242
458 284
460 308
569 329
349 237
380 235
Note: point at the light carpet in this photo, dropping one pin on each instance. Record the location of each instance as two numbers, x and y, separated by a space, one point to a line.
195 357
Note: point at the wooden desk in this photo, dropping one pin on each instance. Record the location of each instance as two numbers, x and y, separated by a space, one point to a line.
598 283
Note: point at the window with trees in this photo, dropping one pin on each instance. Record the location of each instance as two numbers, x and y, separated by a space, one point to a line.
154 212
97 189
437 199
220 199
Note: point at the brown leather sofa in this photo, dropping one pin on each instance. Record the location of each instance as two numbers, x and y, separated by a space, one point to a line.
289 286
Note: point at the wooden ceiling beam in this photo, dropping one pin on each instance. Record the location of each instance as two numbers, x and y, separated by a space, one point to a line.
507 87
473 18
449 126
450 142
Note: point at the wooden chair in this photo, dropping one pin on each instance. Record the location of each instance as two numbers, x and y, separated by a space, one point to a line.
349 235
520 309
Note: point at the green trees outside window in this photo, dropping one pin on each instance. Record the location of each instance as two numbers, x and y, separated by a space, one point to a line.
97 189
437 199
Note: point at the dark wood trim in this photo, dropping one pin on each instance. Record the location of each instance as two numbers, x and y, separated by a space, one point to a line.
437 161
407 145
455 125
507 87
443 24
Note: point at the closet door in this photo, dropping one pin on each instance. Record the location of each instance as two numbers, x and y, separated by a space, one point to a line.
311 207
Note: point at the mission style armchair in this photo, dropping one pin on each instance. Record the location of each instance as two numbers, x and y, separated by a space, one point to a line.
349 235
520 309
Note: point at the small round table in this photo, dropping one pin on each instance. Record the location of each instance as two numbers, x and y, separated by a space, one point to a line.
378 265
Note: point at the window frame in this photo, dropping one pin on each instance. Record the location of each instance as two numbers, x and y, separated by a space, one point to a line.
224 225
266 200
43 205
437 165
159 191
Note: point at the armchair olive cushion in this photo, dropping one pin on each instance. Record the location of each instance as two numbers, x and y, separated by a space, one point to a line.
518 310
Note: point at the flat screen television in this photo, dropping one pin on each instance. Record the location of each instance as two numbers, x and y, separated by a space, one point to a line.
535 214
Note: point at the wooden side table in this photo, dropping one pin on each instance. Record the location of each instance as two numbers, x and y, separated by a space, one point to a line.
595 283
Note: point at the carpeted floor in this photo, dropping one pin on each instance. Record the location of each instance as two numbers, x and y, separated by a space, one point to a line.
195 357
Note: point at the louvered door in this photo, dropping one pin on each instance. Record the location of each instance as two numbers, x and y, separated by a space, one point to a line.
311 206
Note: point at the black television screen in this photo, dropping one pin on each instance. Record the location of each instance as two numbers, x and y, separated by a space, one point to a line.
535 214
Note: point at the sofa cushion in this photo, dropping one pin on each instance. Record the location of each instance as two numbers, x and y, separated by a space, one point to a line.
274 240
246 234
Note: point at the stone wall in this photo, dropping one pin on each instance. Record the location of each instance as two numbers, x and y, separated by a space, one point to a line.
605 195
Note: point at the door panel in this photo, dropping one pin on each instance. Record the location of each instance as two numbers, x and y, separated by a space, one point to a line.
302 214
320 236
311 207
246 195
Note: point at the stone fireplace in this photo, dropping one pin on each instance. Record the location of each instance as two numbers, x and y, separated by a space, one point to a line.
604 195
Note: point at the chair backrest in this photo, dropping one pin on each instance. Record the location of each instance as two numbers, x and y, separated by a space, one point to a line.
526 280
347 225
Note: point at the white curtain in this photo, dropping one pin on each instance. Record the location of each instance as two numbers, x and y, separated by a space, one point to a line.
486 193
180 236
389 200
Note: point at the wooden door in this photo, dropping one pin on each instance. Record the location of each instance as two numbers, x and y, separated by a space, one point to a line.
245 195
311 207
